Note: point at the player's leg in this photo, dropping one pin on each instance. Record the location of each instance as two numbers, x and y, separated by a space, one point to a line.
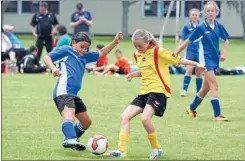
49 45
66 107
39 45
82 116
131 111
112 68
191 110
156 104
199 74
213 84
187 80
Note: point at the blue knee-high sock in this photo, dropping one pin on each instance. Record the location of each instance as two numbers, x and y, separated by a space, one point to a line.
68 129
79 130
196 102
186 82
216 106
198 84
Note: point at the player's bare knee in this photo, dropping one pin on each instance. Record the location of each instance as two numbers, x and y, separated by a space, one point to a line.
214 87
124 118
145 119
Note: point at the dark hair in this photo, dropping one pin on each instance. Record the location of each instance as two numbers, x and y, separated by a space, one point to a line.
118 51
99 46
82 36
79 6
33 48
61 29
44 4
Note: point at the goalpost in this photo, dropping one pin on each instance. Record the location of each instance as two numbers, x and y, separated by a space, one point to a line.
166 21
177 31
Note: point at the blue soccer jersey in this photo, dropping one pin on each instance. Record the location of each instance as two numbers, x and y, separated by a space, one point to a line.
208 40
192 48
186 32
72 67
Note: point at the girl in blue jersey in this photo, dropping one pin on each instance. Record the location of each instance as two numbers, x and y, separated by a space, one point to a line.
72 60
208 34
192 53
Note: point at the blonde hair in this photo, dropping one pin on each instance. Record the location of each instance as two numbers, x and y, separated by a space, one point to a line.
142 34
146 36
211 3
194 10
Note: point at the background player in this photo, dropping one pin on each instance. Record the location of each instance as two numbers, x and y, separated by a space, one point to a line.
192 52
208 32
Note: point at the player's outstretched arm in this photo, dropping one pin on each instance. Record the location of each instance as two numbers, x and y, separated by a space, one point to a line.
48 61
182 47
189 62
224 52
130 76
106 50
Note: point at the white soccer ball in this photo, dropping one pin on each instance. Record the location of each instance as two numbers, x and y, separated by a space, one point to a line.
97 144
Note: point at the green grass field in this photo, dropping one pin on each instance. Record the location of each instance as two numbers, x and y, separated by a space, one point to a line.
31 124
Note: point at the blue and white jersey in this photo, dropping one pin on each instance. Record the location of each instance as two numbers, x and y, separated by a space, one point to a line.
72 67
208 40
186 32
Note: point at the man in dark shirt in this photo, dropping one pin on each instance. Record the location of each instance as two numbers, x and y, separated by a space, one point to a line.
81 20
42 24
30 62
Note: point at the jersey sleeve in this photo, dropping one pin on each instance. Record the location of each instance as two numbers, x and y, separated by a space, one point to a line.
92 56
184 34
223 33
56 22
196 34
168 57
58 53
33 20
89 16
73 18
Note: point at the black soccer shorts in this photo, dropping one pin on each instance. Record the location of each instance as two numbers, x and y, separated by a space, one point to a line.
71 102
157 100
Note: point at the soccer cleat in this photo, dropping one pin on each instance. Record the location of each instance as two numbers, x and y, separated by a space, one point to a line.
192 114
183 93
116 153
220 118
73 144
156 153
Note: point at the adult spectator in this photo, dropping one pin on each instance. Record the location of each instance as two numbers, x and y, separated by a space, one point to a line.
81 20
42 24
8 31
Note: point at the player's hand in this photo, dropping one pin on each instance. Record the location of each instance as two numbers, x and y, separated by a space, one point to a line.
200 66
118 37
35 36
130 76
222 57
56 72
